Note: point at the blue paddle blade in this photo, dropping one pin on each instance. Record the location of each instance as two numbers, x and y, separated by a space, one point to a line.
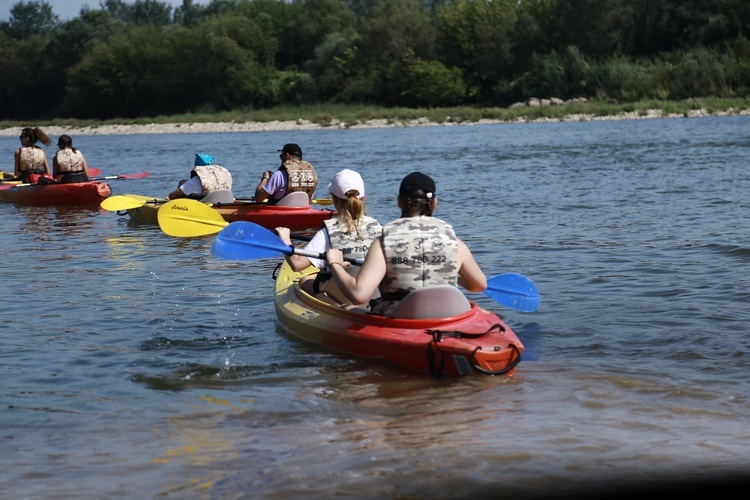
514 291
247 241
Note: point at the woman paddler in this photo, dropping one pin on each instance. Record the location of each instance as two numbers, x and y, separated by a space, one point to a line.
351 232
69 164
30 158
415 251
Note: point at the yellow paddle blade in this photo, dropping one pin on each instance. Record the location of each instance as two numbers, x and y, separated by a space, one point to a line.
8 178
117 203
322 201
186 218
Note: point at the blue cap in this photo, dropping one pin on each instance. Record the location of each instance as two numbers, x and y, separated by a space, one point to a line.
202 160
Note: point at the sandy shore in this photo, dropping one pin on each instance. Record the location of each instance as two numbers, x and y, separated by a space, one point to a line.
228 127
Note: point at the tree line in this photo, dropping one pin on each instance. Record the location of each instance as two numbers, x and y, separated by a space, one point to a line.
146 58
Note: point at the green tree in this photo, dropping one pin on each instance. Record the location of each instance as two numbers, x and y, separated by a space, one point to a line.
189 13
121 77
30 18
151 71
141 12
395 29
428 84
27 93
477 37
305 26
331 67
397 33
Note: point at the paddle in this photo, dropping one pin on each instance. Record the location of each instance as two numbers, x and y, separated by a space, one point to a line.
248 241
514 291
188 218
244 240
123 176
92 171
124 202
23 184
12 178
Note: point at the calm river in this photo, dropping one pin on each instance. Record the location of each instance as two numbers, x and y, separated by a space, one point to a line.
136 365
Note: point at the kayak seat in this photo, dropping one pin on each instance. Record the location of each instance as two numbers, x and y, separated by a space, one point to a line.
296 199
441 301
219 196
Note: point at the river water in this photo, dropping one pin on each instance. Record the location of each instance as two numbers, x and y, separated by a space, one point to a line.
136 365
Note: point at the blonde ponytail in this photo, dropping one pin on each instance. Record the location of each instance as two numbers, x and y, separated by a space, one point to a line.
350 219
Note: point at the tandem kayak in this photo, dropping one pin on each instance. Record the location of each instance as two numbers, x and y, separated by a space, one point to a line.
296 218
463 339
90 193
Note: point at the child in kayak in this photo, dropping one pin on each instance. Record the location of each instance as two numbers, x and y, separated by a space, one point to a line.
205 177
414 251
351 233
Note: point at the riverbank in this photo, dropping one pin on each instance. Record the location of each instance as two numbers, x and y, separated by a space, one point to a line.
306 124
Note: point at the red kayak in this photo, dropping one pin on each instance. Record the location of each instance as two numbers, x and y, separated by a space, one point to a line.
90 193
296 218
272 216
438 330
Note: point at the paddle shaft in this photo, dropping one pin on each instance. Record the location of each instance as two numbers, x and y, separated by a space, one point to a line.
92 171
8 186
107 178
123 176
320 255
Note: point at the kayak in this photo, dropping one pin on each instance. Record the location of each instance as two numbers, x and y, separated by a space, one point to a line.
296 218
468 340
90 193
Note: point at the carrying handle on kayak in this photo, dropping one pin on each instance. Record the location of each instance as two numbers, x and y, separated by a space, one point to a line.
503 371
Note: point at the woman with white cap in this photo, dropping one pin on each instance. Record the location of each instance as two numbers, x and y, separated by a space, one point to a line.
415 251
352 232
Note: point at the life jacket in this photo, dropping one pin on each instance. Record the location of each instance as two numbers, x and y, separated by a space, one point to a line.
349 244
32 159
302 177
419 252
212 177
69 161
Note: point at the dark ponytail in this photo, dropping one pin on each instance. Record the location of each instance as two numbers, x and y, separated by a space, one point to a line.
412 207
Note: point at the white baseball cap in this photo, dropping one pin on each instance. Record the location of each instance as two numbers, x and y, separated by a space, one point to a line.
345 181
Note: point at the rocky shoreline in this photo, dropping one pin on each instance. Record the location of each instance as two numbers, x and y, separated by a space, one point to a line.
229 127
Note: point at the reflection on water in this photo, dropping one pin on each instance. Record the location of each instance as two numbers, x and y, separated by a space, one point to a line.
134 364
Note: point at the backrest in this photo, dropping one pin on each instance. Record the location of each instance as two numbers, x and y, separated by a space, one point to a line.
296 199
441 301
219 196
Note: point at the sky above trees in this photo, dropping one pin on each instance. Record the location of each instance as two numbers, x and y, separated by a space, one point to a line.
68 9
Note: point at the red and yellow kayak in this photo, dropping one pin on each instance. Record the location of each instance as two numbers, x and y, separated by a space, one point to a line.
90 193
268 216
472 341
